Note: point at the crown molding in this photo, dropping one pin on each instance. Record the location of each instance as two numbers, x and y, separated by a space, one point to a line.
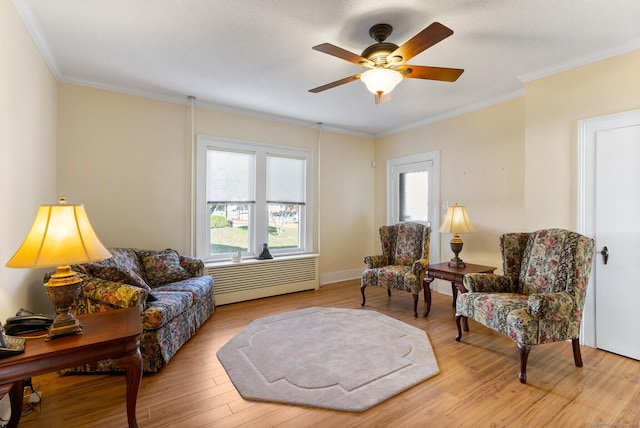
580 61
456 112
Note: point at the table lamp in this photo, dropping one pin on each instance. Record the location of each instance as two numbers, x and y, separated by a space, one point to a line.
61 235
457 221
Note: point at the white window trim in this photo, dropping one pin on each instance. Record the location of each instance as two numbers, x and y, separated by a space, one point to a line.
203 143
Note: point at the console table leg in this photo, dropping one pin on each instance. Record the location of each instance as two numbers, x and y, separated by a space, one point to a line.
132 365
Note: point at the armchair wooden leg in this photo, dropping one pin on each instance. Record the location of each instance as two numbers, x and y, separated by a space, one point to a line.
389 292
459 336
577 356
524 355
415 305
362 291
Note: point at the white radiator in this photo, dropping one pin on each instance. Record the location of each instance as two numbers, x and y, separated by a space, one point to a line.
254 279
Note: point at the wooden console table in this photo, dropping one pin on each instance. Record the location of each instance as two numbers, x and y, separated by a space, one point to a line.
455 275
112 334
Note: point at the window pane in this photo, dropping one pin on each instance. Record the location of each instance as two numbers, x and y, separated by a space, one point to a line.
229 228
285 179
414 196
284 231
230 176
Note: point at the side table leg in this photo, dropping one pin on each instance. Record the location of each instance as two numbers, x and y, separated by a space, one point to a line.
132 365
16 395
426 285
427 296
454 292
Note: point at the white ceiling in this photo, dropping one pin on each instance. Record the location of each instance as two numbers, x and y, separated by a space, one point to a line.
255 57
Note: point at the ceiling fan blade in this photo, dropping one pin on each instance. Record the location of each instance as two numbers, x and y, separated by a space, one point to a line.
336 83
338 52
431 73
426 38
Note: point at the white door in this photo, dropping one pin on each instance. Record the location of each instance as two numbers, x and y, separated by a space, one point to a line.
618 229
413 193
613 210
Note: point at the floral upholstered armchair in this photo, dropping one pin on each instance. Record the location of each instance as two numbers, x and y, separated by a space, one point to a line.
540 297
403 262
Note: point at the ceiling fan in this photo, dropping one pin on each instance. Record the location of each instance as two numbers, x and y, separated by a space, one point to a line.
386 62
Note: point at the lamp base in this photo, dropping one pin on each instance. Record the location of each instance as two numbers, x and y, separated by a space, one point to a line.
63 289
457 262
67 328
456 247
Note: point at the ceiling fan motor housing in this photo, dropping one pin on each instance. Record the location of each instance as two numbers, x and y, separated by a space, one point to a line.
378 52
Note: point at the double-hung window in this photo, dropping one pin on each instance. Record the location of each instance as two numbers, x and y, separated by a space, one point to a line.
248 195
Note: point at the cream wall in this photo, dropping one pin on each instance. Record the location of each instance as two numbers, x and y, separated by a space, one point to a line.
126 158
553 106
346 206
27 156
481 166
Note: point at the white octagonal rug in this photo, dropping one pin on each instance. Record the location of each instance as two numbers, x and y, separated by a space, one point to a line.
342 359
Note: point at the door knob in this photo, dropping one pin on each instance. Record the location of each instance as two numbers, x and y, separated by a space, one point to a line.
605 254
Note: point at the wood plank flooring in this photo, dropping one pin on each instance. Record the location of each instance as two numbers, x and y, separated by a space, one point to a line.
477 385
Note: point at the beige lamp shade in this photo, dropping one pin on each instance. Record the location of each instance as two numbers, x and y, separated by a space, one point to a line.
60 235
457 221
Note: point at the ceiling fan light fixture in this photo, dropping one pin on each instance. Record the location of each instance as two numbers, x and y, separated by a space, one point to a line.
381 80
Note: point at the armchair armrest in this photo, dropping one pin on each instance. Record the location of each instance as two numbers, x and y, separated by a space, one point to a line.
488 283
373 262
194 266
549 305
420 266
113 293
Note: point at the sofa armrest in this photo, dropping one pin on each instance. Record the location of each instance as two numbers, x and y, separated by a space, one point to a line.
488 283
547 305
373 262
113 293
193 265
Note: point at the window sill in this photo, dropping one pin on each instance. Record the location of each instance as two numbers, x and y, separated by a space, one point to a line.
252 260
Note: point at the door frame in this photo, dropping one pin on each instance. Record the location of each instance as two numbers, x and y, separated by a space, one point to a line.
587 131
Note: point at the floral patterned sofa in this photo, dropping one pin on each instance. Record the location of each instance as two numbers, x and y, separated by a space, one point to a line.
173 296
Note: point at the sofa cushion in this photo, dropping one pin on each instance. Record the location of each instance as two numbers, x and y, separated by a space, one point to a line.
166 306
163 267
198 286
122 266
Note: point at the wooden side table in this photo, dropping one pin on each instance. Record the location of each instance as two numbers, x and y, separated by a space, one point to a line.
455 275
112 334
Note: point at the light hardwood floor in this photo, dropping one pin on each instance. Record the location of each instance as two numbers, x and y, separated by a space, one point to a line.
477 385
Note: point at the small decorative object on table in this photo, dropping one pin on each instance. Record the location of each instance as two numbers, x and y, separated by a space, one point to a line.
265 254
